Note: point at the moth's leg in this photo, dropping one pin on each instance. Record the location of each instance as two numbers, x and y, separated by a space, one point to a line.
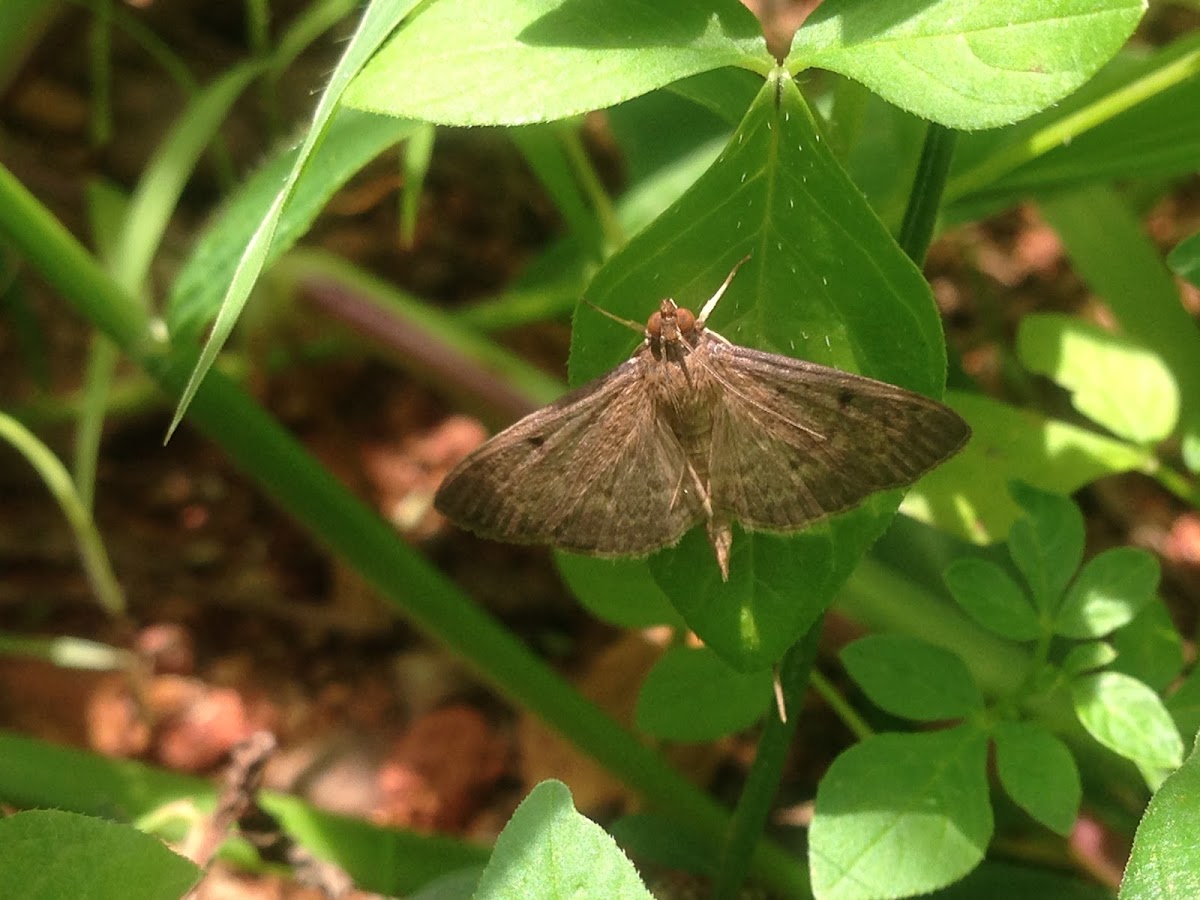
720 535
701 491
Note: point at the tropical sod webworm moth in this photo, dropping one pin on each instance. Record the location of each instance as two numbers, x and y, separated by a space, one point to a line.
696 430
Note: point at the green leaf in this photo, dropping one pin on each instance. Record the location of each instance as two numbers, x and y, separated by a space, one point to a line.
1184 260
659 840
1184 705
968 495
1164 863
1009 881
619 591
691 695
1124 123
547 849
991 597
1107 593
458 885
157 195
1039 773
1128 718
377 22
1109 247
1046 543
962 63
825 282
353 140
513 62
1113 381
1087 657
909 677
1149 648
53 854
418 152
901 814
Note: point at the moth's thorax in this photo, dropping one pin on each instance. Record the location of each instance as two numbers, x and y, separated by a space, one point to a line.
672 332
680 380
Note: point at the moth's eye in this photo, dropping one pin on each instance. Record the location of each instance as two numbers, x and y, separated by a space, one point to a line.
654 326
685 319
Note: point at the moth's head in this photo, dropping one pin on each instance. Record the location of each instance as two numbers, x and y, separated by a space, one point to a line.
671 323
670 328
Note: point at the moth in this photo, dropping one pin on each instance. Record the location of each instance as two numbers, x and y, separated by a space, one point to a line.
696 430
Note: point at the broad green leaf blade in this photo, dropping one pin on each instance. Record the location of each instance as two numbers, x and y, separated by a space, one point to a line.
458 885
1164 863
691 695
1124 123
1110 249
378 21
1185 259
968 496
1010 881
1184 705
1108 592
962 63
901 814
991 597
1039 773
514 62
1087 657
663 841
1150 648
547 849
826 282
1128 718
52 854
1114 381
909 677
619 591
1046 543
353 139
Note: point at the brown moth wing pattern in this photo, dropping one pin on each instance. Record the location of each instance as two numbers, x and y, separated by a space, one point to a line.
597 472
794 442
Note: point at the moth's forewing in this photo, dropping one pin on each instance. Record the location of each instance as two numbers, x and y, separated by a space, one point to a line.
595 472
794 442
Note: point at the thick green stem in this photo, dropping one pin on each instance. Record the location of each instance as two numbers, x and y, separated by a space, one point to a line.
750 817
920 217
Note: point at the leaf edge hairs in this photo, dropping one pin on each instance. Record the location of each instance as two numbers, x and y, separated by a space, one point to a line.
694 429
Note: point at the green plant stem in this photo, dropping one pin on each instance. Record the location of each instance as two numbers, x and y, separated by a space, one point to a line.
1183 488
844 711
916 231
348 528
762 784
100 122
56 477
610 226
93 408
1175 68
68 653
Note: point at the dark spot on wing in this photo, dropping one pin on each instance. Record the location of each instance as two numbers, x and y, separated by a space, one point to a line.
535 440
845 397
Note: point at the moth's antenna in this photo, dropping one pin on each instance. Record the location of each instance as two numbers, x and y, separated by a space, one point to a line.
712 301
628 323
